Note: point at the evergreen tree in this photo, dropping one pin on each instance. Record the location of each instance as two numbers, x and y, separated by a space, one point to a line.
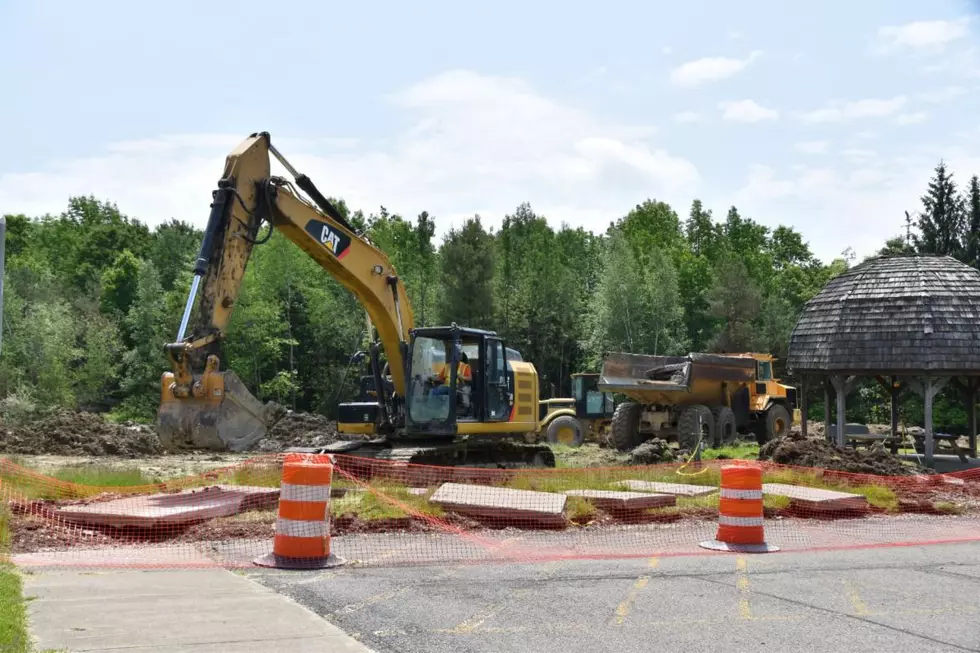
943 218
972 256
467 275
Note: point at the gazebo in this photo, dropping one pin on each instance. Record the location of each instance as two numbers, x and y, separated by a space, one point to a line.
907 320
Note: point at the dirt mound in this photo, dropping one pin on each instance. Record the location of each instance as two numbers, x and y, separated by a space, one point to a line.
71 433
796 450
652 452
299 430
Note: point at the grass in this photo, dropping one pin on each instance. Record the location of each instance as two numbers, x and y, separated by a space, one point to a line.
580 510
589 454
949 508
100 476
77 481
13 612
736 451
877 496
383 501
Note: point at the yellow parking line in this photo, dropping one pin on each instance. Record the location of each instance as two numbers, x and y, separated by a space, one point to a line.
623 609
742 582
860 608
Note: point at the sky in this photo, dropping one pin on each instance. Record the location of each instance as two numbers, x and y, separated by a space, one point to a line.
828 117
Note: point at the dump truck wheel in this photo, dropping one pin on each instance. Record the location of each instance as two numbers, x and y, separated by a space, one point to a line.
625 429
778 422
566 430
687 427
725 429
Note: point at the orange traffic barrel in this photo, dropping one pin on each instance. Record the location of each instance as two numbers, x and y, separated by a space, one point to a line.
740 512
303 525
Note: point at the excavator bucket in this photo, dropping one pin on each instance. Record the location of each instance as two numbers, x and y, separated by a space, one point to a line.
220 415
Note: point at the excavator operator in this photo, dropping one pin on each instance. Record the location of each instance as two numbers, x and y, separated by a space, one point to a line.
464 379
464 374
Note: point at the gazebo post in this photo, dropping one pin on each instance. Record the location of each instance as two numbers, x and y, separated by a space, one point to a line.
928 389
826 409
804 405
970 392
842 385
894 391
930 441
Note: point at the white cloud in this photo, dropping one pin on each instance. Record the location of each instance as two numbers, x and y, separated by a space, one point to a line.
845 111
688 116
858 155
910 118
942 95
474 143
710 69
812 147
921 34
860 206
746 111
961 64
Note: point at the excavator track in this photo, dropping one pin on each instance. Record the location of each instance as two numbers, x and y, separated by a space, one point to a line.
460 453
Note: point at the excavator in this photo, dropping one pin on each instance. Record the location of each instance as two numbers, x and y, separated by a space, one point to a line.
447 395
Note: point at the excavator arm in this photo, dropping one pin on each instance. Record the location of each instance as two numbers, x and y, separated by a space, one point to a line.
202 407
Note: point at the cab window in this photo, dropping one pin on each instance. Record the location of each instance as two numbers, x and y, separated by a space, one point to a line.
765 371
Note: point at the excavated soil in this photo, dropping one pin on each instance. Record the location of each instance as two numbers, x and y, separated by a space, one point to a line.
300 430
652 452
796 450
71 433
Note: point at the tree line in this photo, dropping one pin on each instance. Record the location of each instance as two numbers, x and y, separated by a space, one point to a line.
92 294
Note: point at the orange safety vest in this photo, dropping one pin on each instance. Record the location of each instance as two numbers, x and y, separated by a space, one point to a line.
463 371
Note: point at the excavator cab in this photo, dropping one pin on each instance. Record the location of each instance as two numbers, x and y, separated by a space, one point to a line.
455 375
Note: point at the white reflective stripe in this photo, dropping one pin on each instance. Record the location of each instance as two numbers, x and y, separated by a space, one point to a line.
728 493
291 492
296 528
725 520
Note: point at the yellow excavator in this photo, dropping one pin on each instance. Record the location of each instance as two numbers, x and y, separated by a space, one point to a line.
447 395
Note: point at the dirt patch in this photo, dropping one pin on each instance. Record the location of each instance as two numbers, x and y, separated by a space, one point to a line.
73 433
798 451
297 429
652 452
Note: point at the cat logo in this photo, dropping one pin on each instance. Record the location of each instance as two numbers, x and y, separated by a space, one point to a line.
335 242
329 239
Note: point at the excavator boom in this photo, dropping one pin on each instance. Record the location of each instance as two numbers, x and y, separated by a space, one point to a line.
203 407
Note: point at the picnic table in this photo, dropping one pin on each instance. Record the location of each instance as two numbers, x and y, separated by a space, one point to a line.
860 436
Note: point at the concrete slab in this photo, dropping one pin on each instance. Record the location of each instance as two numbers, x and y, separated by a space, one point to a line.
148 511
817 499
172 611
624 501
523 507
677 489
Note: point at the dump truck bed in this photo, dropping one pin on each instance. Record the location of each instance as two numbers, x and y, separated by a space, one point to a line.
695 378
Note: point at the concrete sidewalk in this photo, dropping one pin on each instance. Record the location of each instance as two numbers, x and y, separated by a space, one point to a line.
169 611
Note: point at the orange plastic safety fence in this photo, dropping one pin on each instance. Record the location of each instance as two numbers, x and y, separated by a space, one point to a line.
375 512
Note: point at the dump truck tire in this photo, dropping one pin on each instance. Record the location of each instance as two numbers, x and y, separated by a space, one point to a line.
688 434
566 430
725 429
778 422
625 428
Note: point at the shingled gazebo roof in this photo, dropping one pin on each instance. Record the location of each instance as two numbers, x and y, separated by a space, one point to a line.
892 314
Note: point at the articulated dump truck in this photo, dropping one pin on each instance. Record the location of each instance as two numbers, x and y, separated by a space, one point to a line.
698 399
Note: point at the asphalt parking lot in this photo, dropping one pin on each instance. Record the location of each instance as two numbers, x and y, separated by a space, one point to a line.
918 599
